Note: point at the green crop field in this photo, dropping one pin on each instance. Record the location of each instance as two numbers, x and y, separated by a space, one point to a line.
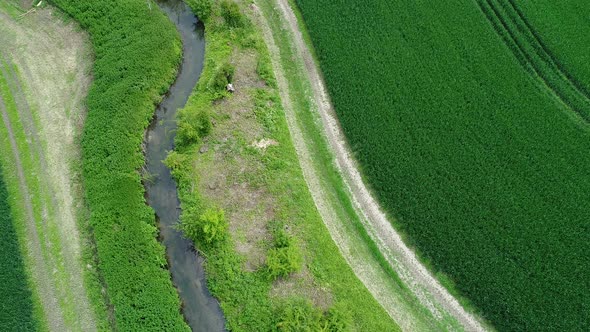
564 29
17 304
470 123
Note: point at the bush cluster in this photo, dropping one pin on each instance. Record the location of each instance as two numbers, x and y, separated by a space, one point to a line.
231 13
300 315
207 228
284 258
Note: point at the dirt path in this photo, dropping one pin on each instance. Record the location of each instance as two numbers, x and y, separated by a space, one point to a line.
49 84
416 277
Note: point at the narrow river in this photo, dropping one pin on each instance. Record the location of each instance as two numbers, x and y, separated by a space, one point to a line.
200 309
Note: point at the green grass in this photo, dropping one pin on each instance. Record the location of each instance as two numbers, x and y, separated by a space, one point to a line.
244 296
17 298
137 51
478 162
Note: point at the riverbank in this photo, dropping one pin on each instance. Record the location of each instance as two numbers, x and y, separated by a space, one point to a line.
137 52
200 310
269 258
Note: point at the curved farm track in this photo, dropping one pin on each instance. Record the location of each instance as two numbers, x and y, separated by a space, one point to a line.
429 292
45 64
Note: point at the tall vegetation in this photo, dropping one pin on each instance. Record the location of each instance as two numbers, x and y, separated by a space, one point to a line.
480 165
137 50
17 304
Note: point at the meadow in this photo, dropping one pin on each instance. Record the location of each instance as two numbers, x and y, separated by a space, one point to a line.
137 51
17 308
470 127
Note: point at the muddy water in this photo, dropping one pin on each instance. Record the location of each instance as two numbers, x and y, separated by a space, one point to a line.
200 309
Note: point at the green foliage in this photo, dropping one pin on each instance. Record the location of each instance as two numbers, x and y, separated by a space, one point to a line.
231 13
208 228
264 70
223 76
17 303
201 8
285 257
299 315
465 149
194 122
137 51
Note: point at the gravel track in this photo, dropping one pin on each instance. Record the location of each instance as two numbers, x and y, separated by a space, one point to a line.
403 260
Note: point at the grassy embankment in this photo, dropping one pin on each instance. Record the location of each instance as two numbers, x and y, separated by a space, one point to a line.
137 51
17 310
270 259
477 161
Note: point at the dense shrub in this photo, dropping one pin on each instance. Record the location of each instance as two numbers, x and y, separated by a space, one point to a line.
17 304
231 13
208 228
194 123
299 315
284 258
476 159
201 8
223 76
137 51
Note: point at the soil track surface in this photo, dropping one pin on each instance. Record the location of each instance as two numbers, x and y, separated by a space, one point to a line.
46 64
402 259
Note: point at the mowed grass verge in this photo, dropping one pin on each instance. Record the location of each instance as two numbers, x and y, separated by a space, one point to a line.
137 51
478 163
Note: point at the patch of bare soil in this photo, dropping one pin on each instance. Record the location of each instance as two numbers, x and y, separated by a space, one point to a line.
232 177
226 170
51 79
403 260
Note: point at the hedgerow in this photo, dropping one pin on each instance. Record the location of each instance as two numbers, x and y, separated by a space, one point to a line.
137 51
479 164
17 303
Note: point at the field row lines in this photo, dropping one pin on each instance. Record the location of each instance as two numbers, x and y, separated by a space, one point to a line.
532 54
